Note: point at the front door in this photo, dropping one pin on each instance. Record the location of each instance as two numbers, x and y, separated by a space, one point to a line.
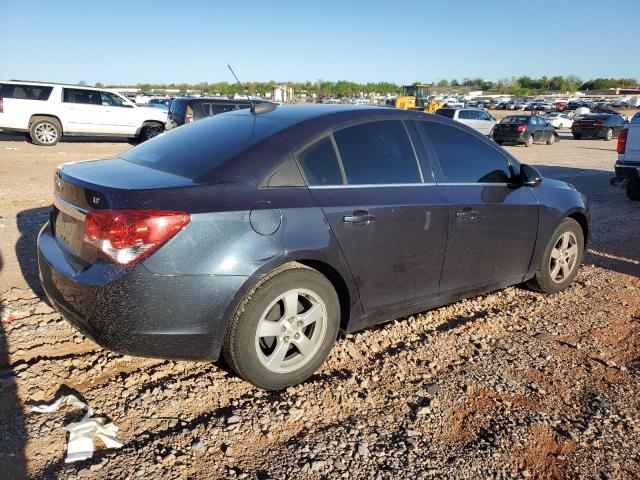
492 222
389 223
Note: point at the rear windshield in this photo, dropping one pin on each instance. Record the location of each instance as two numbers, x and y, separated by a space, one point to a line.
446 112
25 92
516 119
197 149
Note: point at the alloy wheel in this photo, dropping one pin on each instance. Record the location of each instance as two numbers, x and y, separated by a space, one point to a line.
564 257
291 331
154 131
46 133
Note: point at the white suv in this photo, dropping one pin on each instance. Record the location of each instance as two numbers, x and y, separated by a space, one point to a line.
46 111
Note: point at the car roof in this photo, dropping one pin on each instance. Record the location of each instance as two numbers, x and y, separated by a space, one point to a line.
302 112
50 84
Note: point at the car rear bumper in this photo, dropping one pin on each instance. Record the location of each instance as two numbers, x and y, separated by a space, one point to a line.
589 132
510 137
136 312
627 171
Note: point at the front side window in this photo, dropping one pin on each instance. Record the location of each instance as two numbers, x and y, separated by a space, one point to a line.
377 153
465 158
320 164
484 116
79 95
25 92
111 99
467 115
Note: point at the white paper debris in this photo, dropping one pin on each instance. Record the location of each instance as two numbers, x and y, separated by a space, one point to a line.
82 433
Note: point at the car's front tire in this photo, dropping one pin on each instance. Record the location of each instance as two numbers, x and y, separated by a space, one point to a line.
553 138
284 328
45 132
561 260
577 136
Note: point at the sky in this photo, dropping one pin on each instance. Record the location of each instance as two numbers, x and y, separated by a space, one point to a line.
130 42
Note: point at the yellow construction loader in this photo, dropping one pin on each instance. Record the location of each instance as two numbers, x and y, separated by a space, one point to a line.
414 97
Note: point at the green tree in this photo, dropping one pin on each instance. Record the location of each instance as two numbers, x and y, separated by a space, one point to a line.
99 85
82 83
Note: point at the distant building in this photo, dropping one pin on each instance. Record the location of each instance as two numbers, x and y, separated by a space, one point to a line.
282 94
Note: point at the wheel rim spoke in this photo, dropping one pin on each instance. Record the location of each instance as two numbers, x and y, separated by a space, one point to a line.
276 358
555 271
304 345
310 316
555 253
291 304
565 241
267 328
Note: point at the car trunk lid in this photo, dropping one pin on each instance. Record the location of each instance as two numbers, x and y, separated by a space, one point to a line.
82 187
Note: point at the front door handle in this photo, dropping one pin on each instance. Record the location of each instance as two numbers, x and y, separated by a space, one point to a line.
358 216
467 213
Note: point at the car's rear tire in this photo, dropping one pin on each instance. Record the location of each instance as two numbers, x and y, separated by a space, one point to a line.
577 136
608 134
284 328
45 131
561 259
529 141
150 130
633 188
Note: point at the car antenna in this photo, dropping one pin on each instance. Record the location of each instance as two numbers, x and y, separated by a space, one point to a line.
253 107
261 108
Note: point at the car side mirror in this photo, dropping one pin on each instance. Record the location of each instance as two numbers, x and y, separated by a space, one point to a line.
529 176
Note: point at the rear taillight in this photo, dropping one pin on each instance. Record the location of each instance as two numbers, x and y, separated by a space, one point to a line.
622 141
188 117
521 128
1 105
127 236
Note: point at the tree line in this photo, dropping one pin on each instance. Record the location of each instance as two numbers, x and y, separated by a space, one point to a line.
519 86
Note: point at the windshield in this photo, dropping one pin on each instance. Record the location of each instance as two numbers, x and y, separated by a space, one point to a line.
197 149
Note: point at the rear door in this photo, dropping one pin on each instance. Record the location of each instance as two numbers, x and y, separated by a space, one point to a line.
492 223
384 209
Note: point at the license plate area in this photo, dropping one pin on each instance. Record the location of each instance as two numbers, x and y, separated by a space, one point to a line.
68 231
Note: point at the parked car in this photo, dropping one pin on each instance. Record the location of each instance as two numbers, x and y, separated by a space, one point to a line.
47 111
560 106
600 125
526 129
627 167
559 120
240 234
188 110
478 119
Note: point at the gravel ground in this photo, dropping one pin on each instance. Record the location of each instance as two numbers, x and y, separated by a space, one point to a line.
509 384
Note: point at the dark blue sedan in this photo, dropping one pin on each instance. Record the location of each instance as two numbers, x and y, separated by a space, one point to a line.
261 234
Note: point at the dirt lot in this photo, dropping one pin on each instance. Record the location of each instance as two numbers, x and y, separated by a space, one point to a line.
510 384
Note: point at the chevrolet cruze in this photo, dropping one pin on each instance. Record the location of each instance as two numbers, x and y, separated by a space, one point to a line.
259 234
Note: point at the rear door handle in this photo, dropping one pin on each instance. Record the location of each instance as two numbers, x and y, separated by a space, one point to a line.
358 216
467 213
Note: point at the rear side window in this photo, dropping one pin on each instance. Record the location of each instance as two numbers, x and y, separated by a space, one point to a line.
320 164
202 147
79 95
25 92
217 108
446 112
464 158
377 153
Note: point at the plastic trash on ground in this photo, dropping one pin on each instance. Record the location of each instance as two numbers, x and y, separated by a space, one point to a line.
82 433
